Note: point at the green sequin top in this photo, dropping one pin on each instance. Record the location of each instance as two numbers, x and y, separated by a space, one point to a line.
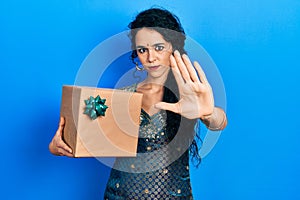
158 172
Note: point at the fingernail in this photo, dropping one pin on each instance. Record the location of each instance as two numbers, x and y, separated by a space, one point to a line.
177 52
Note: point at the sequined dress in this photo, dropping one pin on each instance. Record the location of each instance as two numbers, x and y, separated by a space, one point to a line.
158 171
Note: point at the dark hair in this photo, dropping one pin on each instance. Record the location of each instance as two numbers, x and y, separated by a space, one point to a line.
162 21
169 26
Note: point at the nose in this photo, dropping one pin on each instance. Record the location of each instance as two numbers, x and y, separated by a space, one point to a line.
151 55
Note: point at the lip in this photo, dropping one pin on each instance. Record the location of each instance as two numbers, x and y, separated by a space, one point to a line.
153 67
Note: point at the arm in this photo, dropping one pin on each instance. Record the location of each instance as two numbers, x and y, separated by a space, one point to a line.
57 146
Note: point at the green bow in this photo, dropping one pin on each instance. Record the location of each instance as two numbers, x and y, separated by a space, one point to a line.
95 107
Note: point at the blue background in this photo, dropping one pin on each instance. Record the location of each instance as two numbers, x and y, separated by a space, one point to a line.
255 45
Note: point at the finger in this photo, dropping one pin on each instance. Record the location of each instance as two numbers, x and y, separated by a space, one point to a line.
174 107
63 152
176 71
61 126
191 70
62 145
200 73
181 66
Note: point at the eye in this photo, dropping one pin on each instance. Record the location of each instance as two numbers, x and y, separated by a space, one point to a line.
159 47
141 50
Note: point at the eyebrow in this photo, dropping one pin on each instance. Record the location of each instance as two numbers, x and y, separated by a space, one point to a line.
156 44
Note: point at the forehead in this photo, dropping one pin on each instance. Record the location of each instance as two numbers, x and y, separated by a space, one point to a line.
146 37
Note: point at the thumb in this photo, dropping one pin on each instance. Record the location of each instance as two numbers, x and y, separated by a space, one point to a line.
61 125
174 107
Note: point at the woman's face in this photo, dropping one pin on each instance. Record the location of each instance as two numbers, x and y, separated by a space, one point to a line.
153 52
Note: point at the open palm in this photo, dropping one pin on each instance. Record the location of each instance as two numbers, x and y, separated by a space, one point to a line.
196 96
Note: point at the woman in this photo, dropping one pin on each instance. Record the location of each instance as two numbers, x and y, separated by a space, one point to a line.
175 94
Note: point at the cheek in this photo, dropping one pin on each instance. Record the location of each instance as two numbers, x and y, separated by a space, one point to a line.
166 59
141 57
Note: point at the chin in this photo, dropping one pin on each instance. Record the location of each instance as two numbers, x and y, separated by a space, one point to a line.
158 73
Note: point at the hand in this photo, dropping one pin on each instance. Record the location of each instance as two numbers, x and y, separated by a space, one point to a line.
196 96
57 146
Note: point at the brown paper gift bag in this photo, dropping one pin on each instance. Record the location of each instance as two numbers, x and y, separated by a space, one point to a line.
113 135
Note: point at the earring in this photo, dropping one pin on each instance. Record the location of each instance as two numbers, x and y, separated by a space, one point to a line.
138 67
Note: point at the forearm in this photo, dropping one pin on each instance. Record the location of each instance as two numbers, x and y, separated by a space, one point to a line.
215 121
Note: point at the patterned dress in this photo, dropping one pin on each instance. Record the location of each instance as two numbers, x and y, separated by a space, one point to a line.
160 170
